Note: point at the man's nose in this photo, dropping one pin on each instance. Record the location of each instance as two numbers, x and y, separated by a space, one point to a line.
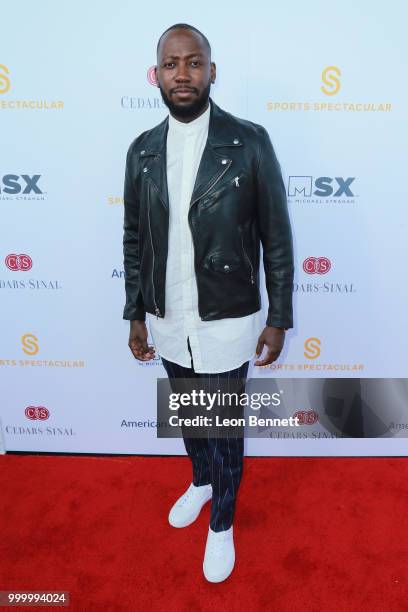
182 73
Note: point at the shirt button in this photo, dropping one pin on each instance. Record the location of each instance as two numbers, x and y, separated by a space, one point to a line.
142 152
236 141
145 169
223 161
226 267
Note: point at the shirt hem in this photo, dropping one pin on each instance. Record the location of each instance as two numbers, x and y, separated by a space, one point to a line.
176 362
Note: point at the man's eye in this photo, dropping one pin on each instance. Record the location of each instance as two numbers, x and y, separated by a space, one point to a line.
169 64
196 62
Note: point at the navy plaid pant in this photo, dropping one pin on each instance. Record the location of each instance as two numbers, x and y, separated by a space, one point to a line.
218 461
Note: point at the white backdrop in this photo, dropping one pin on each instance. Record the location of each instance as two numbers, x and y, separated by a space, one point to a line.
326 81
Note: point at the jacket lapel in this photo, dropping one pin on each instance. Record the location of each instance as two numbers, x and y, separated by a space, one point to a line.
213 164
154 153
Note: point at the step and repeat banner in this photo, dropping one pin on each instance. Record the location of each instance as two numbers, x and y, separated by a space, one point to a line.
76 87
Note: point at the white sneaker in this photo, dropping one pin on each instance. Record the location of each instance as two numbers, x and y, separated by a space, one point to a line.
188 506
219 558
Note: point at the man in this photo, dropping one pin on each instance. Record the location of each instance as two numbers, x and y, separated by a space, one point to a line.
203 190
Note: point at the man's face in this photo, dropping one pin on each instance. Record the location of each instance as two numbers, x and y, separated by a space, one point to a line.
184 73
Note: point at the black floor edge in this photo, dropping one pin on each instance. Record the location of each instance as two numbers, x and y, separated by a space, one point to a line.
184 456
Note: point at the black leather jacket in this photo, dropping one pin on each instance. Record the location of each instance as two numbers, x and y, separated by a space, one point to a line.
238 202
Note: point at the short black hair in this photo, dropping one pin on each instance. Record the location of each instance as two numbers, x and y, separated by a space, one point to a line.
186 26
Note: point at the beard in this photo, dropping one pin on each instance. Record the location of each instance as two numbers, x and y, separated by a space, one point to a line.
187 111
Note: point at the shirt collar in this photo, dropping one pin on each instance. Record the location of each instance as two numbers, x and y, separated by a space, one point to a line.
191 127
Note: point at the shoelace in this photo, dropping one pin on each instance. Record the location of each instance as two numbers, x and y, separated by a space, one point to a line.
216 544
187 495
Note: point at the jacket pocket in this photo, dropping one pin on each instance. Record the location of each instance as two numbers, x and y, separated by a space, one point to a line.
224 263
229 186
246 256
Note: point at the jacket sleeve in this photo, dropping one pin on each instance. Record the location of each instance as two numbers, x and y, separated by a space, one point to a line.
276 235
134 308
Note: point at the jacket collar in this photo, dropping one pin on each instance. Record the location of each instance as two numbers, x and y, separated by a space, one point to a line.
223 131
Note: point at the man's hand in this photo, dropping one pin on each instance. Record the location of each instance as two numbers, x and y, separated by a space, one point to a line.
138 341
274 338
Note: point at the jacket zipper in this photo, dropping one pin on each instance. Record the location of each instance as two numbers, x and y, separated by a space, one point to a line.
157 311
249 261
212 184
189 220
234 181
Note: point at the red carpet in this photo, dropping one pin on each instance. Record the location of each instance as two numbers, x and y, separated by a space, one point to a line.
310 534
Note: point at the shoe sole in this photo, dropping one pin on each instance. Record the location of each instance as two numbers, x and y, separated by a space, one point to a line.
180 526
219 578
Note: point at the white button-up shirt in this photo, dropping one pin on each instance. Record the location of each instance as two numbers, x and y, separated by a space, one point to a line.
216 346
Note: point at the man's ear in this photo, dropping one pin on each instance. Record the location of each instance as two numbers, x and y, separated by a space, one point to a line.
213 72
